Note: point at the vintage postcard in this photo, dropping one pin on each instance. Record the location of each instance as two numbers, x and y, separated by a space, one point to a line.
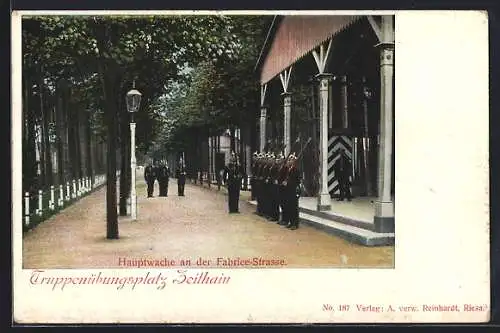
250 167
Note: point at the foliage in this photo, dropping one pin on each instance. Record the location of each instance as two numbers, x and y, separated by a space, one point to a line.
219 93
152 50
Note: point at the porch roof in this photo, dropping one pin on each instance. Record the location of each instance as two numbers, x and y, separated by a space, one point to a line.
292 37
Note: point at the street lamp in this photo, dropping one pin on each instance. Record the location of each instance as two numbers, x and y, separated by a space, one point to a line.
133 100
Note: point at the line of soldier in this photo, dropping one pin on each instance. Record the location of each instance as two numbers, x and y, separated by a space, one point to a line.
275 185
161 172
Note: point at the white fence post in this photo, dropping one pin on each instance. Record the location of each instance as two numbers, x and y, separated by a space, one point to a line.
61 195
27 208
40 202
52 198
68 193
74 189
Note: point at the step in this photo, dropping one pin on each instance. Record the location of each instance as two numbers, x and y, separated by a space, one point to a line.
348 232
340 218
355 234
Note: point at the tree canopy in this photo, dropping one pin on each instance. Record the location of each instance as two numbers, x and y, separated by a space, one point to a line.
219 92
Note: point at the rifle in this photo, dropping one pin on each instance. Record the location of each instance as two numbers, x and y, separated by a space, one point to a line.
283 165
291 151
294 162
304 148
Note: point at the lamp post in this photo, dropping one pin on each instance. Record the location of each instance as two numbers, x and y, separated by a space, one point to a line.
133 100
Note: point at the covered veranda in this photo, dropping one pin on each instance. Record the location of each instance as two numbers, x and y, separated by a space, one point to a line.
331 78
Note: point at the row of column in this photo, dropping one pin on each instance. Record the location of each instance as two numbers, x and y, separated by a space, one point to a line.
384 208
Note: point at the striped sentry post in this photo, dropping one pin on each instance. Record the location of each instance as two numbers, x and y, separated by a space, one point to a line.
335 143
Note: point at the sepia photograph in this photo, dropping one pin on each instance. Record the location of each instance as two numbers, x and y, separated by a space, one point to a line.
249 141
204 166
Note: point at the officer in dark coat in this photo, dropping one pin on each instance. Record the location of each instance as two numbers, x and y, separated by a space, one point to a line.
257 173
163 178
181 178
282 189
343 168
233 175
274 195
265 188
253 186
292 193
150 178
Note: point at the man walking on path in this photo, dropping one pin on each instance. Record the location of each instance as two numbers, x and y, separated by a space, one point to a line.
163 179
181 178
150 177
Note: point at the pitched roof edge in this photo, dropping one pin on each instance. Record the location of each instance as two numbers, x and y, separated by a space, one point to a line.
267 43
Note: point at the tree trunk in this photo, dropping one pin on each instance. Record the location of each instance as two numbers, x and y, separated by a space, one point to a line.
233 140
241 149
66 125
199 154
209 173
45 139
107 74
71 115
111 124
60 134
41 138
125 165
29 159
88 146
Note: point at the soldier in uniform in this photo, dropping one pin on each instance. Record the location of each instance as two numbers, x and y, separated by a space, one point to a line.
253 191
163 178
258 182
343 169
181 178
233 175
266 205
274 188
150 177
283 202
292 190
